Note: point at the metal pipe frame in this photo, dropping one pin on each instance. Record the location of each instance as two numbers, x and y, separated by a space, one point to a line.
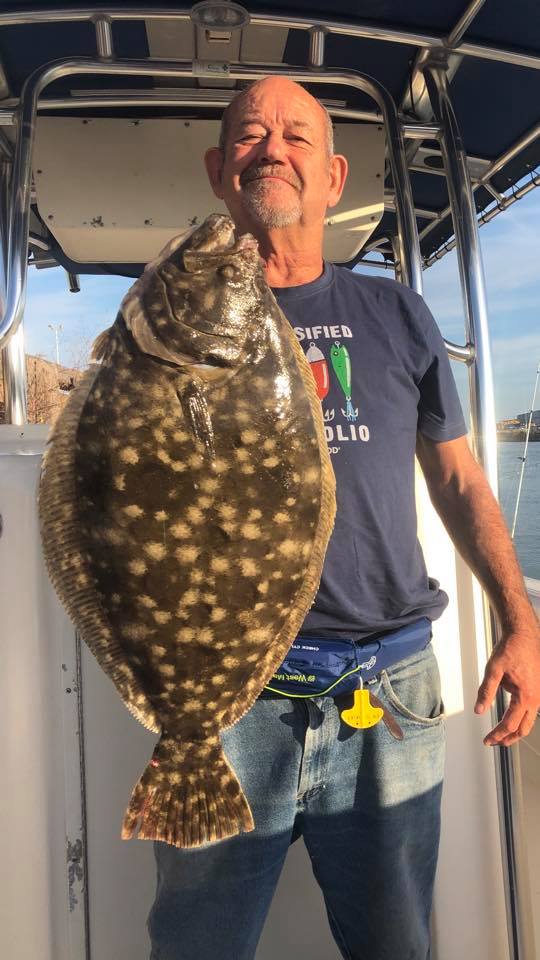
13 357
458 32
366 30
317 38
104 37
35 84
489 215
498 164
520 932
184 98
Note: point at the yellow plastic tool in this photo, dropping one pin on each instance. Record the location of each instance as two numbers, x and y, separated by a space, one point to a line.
362 714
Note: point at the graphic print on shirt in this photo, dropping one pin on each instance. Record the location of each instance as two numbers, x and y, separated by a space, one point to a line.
319 369
341 363
333 363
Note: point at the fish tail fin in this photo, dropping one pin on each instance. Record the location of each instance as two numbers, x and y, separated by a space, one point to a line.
188 795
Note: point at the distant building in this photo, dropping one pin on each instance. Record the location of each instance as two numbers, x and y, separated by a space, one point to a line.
524 418
514 424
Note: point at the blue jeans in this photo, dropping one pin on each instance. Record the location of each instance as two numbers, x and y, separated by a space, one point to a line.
366 804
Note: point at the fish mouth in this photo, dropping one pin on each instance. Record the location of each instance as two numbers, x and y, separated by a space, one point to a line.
243 243
227 246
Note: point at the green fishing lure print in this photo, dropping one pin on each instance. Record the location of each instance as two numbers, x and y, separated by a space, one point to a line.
341 365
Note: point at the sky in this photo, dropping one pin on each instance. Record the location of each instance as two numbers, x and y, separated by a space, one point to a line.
512 269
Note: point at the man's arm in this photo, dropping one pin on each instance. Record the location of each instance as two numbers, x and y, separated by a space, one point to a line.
463 499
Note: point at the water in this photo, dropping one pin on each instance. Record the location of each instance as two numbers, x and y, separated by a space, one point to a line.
527 535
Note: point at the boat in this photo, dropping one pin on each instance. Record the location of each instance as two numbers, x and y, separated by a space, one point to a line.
104 114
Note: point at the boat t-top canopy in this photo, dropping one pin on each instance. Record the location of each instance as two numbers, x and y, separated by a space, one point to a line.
491 53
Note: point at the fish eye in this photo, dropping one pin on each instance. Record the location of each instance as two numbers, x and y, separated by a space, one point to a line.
227 272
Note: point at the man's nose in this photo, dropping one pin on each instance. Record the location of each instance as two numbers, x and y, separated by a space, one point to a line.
272 148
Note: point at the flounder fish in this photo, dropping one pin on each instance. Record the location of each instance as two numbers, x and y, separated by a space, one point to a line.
186 501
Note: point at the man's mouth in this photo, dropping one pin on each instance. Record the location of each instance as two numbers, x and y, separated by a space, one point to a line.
267 176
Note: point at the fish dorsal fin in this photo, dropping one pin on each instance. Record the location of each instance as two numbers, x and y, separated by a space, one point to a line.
101 345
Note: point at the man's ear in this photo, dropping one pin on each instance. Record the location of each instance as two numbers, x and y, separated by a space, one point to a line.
213 160
338 174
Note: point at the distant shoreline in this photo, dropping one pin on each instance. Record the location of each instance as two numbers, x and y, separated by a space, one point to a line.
517 436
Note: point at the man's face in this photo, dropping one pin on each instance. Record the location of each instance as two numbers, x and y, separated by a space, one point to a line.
275 170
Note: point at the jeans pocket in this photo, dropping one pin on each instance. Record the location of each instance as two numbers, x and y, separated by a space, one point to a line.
413 688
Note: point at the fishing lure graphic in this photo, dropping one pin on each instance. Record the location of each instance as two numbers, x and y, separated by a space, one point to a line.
341 365
319 369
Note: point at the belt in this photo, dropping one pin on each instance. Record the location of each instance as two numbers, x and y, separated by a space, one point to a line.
317 666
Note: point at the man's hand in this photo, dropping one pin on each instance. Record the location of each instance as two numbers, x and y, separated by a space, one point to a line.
515 666
463 499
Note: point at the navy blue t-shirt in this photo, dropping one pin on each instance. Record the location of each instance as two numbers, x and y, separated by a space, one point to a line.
382 373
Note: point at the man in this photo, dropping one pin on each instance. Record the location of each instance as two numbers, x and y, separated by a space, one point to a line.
366 804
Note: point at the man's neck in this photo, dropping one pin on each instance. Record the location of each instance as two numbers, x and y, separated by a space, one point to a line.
291 256
290 269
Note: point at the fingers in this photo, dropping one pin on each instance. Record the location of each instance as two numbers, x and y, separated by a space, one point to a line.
489 686
516 723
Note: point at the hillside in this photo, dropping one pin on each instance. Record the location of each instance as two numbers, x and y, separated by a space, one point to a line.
48 387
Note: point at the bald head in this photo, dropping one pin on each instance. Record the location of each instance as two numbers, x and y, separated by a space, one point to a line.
242 101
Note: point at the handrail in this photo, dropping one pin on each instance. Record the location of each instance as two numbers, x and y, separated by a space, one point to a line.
40 79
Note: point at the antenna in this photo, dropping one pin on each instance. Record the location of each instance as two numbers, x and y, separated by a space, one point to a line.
524 457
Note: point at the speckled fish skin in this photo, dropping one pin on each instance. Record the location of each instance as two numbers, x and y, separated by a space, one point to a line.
186 502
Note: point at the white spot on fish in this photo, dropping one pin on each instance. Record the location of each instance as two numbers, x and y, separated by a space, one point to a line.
195 515
189 598
209 484
219 465
187 553
226 510
289 548
129 455
161 616
155 550
251 531
218 614
133 510
147 601
167 669
180 530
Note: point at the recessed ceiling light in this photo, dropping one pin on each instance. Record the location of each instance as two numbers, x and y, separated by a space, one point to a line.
219 16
